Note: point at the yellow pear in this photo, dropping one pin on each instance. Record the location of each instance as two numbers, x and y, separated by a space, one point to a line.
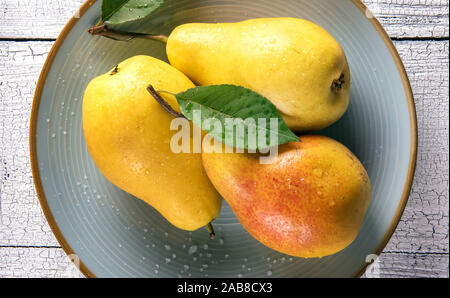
310 202
128 136
294 63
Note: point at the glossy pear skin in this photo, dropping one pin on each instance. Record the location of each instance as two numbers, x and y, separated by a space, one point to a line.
310 203
128 136
292 62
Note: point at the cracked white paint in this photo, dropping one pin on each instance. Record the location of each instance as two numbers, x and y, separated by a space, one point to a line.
400 265
36 262
424 224
22 222
412 18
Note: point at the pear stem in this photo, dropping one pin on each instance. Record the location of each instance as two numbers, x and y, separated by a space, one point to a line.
163 103
103 30
210 229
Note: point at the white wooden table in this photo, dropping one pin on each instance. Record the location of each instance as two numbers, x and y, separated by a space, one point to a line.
420 30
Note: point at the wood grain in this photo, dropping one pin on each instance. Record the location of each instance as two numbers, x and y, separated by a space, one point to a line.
35 19
36 262
402 265
411 18
22 221
44 19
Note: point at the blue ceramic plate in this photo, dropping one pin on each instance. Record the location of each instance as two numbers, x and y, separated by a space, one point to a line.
117 235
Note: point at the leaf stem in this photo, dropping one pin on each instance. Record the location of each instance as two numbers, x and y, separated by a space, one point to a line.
163 103
103 30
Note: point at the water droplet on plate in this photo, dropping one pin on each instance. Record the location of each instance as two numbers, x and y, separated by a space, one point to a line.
192 249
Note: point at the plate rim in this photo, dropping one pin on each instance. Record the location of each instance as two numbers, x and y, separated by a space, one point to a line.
43 78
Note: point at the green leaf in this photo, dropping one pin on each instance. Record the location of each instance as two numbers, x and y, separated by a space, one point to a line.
230 104
116 12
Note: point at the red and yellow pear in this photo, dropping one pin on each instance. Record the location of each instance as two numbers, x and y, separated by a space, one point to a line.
310 202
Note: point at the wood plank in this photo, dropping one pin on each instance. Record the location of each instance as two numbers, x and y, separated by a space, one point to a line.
37 19
424 225
411 18
39 262
52 262
400 265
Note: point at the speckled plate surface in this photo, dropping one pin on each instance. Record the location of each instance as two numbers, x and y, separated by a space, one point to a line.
117 235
